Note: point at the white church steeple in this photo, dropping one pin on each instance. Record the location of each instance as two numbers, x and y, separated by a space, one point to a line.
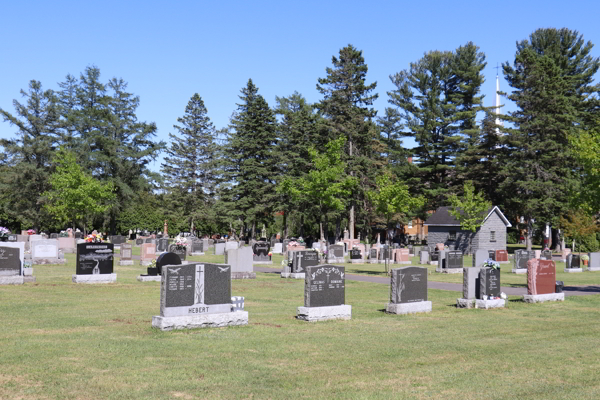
497 102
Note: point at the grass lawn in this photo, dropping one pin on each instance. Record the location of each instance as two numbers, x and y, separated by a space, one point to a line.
61 340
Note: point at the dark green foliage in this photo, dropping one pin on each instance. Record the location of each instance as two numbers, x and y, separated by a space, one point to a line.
439 97
190 165
551 79
347 107
26 162
251 160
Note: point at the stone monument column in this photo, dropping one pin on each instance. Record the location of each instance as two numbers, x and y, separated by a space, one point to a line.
166 229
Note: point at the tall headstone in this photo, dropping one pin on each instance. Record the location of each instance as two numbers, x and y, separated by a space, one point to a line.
162 245
197 296
489 281
479 257
94 263
240 260
541 282
521 259
181 251
424 256
471 285
594 262
197 247
408 294
373 255
126 254
148 254
219 249
324 294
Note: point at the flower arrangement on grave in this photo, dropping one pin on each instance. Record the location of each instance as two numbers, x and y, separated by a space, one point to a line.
300 241
270 254
180 243
94 238
63 234
293 243
585 257
31 231
489 263
4 232
152 263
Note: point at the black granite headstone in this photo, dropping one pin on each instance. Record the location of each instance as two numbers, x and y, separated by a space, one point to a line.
139 242
489 282
522 256
324 286
197 246
454 259
94 258
162 245
409 285
12 238
303 259
54 236
149 240
547 255
385 253
373 254
355 254
167 259
78 235
261 248
559 287
492 254
118 239
575 261
10 261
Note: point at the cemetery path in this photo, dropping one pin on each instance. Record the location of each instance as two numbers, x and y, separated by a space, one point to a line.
455 287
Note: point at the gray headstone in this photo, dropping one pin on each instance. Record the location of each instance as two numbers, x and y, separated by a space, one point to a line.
219 249
409 285
480 257
126 251
424 256
522 256
239 259
454 259
594 260
44 249
324 286
261 251
181 251
441 259
546 255
471 283
11 259
197 246
336 250
231 245
573 261
139 242
162 245
489 282
303 259
118 239
373 253
192 289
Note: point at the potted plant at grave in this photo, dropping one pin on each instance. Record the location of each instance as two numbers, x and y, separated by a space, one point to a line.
4 232
31 231
585 258
489 263
63 234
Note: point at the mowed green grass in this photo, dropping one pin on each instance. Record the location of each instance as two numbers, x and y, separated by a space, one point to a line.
61 340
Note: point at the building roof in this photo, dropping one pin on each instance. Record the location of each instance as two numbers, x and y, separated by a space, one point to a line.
441 217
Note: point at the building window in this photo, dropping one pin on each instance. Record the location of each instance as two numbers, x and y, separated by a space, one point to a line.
492 236
452 235
410 225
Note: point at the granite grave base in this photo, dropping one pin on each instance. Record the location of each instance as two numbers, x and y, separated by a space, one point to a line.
263 262
243 275
487 304
313 314
145 263
357 261
403 262
573 270
592 269
125 262
98 278
216 320
293 275
335 260
197 254
451 271
519 271
432 263
49 261
541 298
373 261
12 280
408 308
149 278
27 271
28 279
465 303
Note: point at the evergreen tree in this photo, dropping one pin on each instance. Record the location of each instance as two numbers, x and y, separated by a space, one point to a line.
390 127
439 98
251 160
26 163
189 167
551 79
347 106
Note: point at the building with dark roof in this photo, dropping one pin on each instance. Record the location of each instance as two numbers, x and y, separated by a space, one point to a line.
491 235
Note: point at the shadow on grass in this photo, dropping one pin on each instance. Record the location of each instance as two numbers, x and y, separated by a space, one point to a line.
367 272
587 289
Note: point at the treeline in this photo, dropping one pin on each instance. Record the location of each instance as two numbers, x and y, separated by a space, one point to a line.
277 165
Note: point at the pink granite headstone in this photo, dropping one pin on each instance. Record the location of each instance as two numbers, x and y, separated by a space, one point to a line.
541 276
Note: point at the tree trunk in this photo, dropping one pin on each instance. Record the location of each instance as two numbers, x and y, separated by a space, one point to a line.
285 227
529 234
338 227
351 216
301 230
253 229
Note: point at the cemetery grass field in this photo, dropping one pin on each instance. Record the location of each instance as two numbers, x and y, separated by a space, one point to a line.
66 341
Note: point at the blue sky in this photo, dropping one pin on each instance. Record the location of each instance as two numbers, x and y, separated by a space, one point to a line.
167 51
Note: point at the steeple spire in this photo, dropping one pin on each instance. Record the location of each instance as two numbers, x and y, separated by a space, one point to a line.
497 101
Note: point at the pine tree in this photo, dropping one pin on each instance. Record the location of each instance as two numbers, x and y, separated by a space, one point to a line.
251 160
189 167
27 159
347 106
439 98
551 79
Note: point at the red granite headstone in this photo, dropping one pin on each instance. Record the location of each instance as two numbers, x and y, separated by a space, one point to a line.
541 276
439 246
501 255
